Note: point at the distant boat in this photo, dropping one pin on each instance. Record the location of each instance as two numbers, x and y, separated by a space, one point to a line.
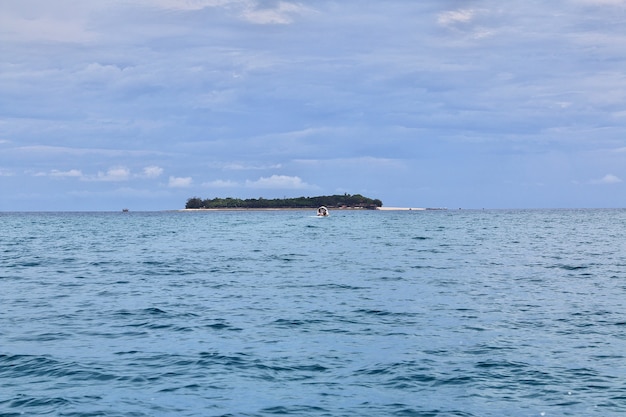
322 211
125 210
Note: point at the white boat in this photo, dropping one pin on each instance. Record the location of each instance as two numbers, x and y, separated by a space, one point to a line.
322 211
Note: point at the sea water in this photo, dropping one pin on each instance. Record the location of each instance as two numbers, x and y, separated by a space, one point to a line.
363 313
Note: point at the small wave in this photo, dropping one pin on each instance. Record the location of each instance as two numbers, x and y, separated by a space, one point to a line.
384 313
215 358
493 364
373 312
455 380
407 369
294 410
46 337
27 401
130 352
280 369
296 323
154 311
222 326
567 267
20 366
333 286
407 411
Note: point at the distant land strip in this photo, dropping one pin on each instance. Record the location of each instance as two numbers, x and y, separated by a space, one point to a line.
330 201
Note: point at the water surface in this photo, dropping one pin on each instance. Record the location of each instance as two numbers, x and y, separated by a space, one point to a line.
368 313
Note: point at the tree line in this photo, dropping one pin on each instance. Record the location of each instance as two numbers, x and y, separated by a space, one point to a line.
331 201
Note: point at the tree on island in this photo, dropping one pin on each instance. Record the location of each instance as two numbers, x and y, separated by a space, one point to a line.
333 201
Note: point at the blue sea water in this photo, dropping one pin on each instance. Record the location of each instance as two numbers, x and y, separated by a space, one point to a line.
363 313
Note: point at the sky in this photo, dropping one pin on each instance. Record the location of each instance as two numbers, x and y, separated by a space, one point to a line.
142 104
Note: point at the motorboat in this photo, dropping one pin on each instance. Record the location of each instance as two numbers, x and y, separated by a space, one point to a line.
322 211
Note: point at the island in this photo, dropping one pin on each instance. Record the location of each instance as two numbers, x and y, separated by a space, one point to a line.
343 201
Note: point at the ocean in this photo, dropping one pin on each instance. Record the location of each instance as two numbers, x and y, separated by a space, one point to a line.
364 313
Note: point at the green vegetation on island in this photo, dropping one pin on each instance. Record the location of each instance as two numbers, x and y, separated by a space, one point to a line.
332 201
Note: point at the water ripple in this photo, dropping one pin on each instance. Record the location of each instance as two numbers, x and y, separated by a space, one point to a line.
472 313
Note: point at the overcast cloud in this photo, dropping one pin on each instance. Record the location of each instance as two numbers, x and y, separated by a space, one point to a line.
144 103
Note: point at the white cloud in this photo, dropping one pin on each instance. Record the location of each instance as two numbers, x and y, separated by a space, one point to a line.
76 173
6 173
282 14
465 19
220 184
278 181
243 167
55 173
114 174
180 182
250 10
607 179
118 173
99 72
188 5
152 171
456 16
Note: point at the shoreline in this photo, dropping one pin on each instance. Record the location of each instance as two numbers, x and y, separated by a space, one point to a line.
267 209
306 209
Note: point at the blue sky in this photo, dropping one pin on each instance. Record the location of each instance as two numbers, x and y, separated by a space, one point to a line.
441 103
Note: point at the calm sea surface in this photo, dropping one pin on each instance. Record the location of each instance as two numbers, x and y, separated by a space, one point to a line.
363 313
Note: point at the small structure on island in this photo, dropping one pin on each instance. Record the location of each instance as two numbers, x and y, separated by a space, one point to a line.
322 211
